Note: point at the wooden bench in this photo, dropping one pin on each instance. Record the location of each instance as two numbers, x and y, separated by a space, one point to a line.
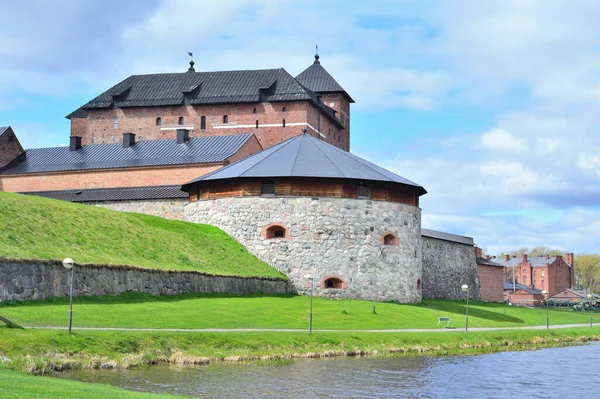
444 321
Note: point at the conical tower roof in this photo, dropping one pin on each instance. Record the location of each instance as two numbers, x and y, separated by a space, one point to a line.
305 156
317 79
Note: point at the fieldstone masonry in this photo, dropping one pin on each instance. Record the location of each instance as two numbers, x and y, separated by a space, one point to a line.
24 280
327 237
446 267
165 208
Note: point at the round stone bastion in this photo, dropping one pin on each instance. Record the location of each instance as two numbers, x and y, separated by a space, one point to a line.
353 248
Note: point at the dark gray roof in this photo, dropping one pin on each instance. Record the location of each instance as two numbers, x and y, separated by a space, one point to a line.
4 129
509 286
486 262
537 261
306 156
114 194
317 79
447 236
197 88
197 150
78 113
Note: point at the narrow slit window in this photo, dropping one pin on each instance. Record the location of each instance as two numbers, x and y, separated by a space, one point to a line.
181 120
257 123
115 122
203 122
225 119
158 121
283 123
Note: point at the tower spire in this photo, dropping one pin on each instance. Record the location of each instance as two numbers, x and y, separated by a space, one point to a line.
317 54
191 68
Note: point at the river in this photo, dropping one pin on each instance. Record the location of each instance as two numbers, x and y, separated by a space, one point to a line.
546 373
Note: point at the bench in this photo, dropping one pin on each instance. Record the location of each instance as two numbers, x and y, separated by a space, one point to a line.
444 321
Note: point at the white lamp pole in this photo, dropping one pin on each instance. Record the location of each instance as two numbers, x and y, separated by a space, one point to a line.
69 264
545 294
312 287
589 296
465 288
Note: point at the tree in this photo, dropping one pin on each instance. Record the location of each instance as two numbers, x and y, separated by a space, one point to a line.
587 271
536 251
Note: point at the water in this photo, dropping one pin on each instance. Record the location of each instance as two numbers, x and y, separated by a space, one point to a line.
547 373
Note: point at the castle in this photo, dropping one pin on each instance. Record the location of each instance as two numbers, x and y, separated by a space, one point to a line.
264 156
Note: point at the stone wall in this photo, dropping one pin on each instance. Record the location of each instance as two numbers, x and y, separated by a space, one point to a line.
24 280
165 208
447 266
327 237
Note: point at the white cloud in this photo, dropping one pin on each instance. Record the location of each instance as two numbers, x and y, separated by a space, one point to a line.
501 140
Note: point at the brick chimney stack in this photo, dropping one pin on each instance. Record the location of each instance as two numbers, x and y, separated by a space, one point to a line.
524 258
478 252
506 257
569 258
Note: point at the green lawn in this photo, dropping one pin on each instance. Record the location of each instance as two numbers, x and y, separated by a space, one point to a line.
194 311
41 228
22 386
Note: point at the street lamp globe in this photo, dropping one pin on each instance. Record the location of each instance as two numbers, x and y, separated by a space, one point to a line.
589 296
544 293
68 263
465 287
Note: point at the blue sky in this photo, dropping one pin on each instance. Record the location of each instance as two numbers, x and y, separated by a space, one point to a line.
491 106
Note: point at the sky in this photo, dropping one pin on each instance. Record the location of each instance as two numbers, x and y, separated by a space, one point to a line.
492 106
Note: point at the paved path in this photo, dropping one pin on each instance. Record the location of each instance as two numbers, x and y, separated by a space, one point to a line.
226 330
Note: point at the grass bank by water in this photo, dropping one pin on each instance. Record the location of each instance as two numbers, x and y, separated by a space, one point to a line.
209 311
41 228
44 351
20 386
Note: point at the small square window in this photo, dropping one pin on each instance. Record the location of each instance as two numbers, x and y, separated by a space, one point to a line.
364 192
267 187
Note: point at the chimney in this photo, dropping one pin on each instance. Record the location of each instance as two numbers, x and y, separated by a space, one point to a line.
75 143
183 135
506 257
513 256
524 258
547 256
128 140
569 258
478 252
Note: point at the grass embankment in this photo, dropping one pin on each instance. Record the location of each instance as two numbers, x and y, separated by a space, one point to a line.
205 311
41 228
21 386
43 351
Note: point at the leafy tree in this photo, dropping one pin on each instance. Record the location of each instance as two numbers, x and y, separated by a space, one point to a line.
587 271
536 251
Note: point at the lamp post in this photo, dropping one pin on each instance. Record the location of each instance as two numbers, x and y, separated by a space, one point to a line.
465 288
312 287
69 264
545 294
589 296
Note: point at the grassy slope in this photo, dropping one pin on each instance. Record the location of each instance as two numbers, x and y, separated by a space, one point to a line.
193 311
21 386
40 228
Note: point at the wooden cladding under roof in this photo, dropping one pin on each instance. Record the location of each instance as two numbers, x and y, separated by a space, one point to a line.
304 187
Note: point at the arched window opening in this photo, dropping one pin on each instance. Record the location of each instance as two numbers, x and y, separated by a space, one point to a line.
274 231
158 121
283 109
203 122
333 283
225 119
419 284
181 120
389 239
254 111
115 122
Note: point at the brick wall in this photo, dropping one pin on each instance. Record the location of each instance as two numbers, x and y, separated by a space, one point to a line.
491 281
162 176
242 118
